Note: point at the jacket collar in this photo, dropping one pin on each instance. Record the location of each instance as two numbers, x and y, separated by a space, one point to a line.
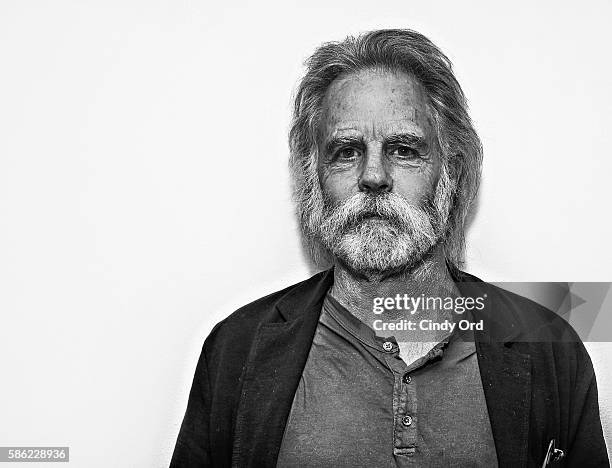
306 299
498 327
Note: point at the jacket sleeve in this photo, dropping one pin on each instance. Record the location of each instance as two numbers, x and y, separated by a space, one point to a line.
192 446
587 446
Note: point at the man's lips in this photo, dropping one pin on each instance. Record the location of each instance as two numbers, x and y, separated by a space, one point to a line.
367 216
371 217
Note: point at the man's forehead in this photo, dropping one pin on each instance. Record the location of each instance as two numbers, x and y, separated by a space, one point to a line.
368 87
375 100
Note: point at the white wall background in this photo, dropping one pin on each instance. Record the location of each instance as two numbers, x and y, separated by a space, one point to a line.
144 192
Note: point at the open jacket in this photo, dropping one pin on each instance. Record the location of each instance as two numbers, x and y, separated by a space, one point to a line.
537 378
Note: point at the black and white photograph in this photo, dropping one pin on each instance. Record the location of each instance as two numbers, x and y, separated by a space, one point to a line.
305 234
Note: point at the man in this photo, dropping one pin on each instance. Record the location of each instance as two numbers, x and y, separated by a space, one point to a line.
386 162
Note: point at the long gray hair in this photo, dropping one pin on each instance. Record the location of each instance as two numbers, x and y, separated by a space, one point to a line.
395 50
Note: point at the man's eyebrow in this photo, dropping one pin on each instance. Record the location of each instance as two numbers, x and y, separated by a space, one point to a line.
336 141
412 139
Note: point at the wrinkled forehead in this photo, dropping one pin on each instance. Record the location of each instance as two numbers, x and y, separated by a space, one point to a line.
375 102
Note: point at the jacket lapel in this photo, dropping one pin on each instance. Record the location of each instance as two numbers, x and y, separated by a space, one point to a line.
505 372
272 374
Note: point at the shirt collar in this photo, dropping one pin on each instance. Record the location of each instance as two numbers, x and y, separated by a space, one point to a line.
454 347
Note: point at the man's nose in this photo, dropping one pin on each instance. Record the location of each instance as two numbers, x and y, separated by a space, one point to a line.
374 176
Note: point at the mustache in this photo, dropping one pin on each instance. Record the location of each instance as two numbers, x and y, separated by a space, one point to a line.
390 207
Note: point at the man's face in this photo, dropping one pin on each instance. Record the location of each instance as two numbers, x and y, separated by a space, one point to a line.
378 168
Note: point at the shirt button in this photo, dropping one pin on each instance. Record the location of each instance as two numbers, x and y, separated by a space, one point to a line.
407 379
387 346
407 420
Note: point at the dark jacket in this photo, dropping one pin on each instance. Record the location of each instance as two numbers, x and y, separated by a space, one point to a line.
537 377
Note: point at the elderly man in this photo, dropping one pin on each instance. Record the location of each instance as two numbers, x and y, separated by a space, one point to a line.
386 162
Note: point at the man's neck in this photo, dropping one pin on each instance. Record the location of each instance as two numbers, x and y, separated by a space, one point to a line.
357 292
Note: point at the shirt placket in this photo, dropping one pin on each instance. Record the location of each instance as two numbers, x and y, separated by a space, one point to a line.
405 405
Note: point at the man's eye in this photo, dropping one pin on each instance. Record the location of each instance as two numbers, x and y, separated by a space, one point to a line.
404 152
347 153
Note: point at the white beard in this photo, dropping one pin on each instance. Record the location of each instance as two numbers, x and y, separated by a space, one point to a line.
396 236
